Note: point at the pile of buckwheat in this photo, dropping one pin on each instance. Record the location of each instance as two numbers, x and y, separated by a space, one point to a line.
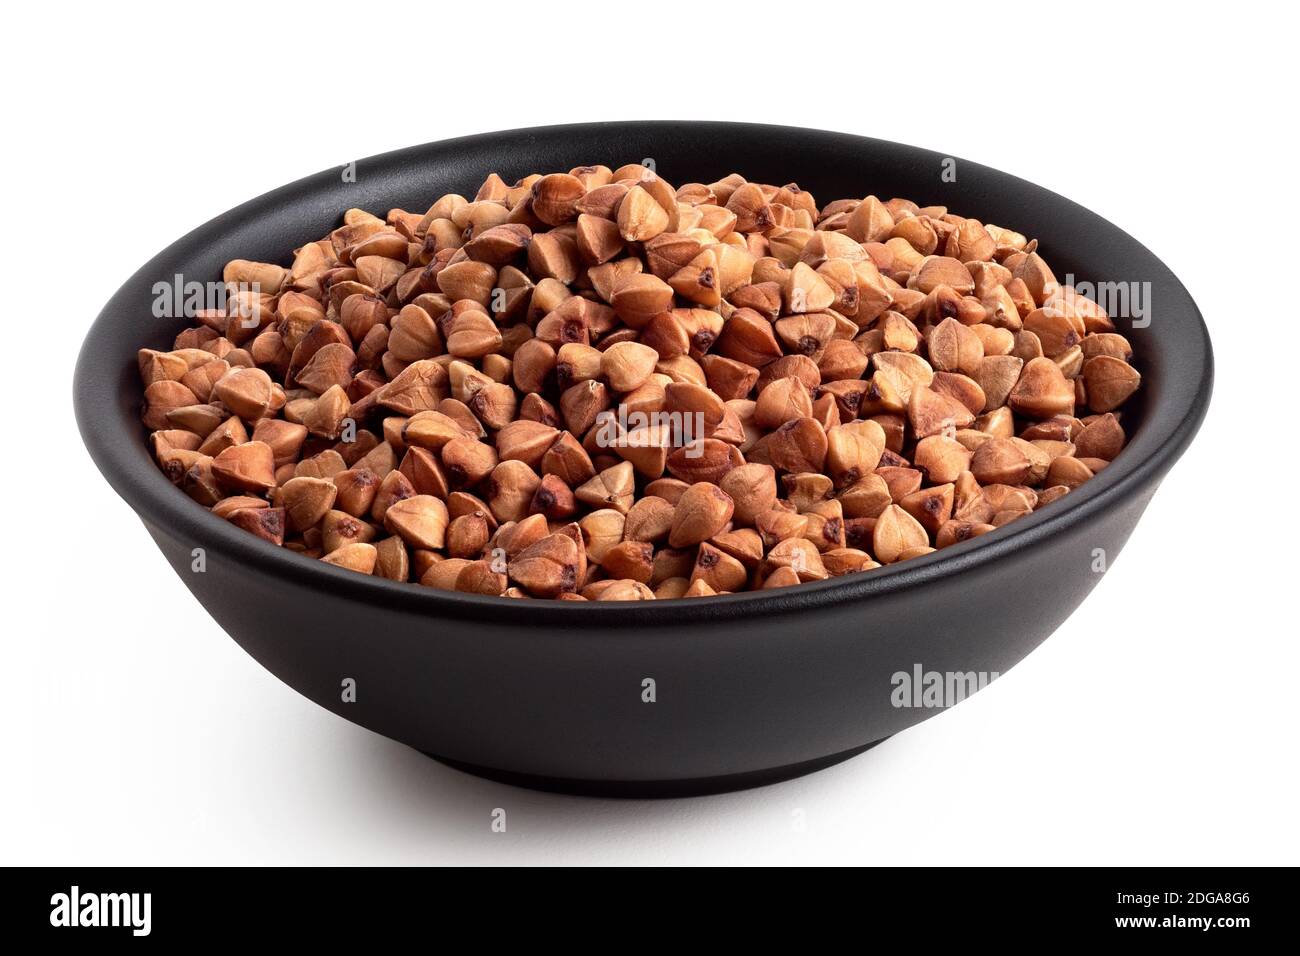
593 386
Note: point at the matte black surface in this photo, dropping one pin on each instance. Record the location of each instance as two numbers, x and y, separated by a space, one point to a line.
659 789
747 683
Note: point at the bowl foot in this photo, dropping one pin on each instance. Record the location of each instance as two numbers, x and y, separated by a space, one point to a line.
656 789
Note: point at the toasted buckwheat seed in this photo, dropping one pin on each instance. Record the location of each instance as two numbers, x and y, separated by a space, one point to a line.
591 385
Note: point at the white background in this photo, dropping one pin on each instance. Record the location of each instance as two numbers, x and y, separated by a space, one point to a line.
1157 725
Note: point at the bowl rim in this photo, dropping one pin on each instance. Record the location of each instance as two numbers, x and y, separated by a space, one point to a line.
124 460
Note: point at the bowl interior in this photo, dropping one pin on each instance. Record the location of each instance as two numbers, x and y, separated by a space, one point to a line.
1169 338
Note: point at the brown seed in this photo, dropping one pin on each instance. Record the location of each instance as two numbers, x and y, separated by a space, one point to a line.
228 506
640 217
727 379
567 459
1037 277
1056 331
1107 343
865 498
961 388
266 523
467 461
358 557
931 507
853 451
1069 472
472 280
665 335
930 413
598 238
554 499
697 588
840 561
672 588
806 334
357 488
198 482
955 348
510 490
752 488
285 438
248 467
898 373
554 198
743 544
781 578
954 532
228 433
639 297
997 375
1042 391
265 276
703 510
825 526
695 403
806 291
611 488
805 491
627 365
1000 461
247 392
631 560
158 366
935 271
480 577
624 590
202 379
554 258
495 405
800 556
718 570
781 401
1103 437
419 387
1109 382
602 530
473 335
798 445
333 364
443 572
513 537
392 560
894 533
649 520
431 430
869 221
525 441
669 489
327 464
942 458
499 245
420 520
748 337
749 204
533 362
325 419
780 524
548 567
761 297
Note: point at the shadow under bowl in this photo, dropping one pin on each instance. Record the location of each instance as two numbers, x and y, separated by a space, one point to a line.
748 688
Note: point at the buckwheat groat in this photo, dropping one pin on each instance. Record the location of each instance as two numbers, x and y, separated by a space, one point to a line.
591 385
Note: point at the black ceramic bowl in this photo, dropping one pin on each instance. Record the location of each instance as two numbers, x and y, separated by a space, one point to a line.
749 688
